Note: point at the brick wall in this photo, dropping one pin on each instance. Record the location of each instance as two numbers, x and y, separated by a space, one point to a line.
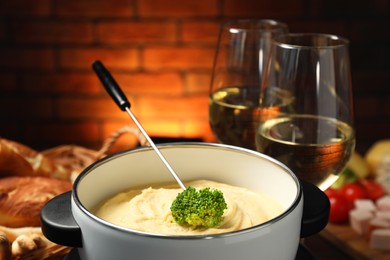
161 53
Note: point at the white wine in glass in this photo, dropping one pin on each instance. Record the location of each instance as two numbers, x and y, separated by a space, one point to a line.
313 134
242 51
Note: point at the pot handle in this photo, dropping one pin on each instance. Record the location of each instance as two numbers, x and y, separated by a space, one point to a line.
58 224
316 208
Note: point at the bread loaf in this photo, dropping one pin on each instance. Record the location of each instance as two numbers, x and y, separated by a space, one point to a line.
22 198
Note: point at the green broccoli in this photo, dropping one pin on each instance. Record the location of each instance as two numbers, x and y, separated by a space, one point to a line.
203 208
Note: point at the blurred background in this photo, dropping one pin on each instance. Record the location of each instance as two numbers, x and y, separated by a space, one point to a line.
161 53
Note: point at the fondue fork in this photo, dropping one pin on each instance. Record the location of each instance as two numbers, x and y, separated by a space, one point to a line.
121 100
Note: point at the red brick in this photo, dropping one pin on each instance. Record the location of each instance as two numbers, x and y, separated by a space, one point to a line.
26 58
136 32
160 126
177 8
200 32
61 83
25 8
364 32
209 136
87 108
362 58
151 83
178 57
3 35
370 82
386 108
368 107
198 82
63 133
96 8
82 58
372 131
52 32
348 8
31 107
177 107
191 128
263 9
10 130
197 128
336 27
7 82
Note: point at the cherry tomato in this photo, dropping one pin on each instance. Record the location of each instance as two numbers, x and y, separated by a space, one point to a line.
339 207
373 189
353 191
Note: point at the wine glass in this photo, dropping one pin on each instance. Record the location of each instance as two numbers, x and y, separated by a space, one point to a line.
240 58
307 84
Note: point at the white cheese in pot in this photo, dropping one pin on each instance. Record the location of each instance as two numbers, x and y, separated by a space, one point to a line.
148 209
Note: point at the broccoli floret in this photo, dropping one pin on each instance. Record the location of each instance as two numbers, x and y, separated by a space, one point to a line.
202 208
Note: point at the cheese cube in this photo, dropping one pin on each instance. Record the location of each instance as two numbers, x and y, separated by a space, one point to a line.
359 220
383 214
383 203
365 204
380 239
377 223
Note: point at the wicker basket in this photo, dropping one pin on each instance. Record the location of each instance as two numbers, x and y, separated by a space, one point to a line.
74 159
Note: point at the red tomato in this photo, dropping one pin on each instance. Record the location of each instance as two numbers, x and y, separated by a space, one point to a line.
353 191
330 192
373 189
339 207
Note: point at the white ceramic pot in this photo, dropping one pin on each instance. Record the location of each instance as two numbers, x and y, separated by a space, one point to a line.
68 220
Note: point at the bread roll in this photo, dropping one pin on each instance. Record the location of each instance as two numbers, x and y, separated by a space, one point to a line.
19 160
22 198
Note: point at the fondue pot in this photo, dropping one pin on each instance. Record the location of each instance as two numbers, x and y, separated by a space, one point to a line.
68 219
